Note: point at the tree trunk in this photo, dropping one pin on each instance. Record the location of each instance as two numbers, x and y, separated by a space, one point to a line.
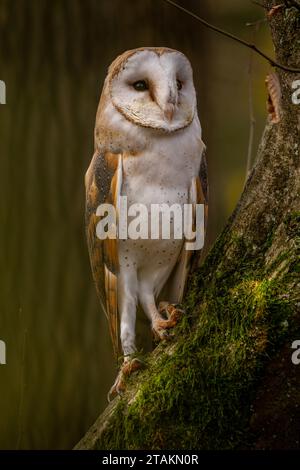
242 310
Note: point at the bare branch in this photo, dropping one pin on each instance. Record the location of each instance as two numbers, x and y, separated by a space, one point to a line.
252 120
259 4
271 61
257 22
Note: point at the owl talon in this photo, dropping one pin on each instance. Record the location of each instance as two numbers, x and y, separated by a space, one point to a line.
128 367
161 334
172 312
117 388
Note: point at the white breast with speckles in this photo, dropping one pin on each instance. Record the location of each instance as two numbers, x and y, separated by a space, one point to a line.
162 173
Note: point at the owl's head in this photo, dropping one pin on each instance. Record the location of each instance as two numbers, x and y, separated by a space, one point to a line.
153 88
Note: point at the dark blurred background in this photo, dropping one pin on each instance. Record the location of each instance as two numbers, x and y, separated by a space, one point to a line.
53 57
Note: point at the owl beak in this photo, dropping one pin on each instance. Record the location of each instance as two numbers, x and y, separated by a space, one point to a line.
169 111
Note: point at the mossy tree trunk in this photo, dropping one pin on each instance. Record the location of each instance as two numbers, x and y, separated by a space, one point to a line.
242 304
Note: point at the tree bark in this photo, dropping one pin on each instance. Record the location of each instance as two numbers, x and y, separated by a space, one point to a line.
242 306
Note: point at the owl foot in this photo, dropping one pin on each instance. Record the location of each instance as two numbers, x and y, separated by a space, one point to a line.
171 314
129 366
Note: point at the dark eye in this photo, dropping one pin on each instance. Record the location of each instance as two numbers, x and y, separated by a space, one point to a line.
140 85
179 84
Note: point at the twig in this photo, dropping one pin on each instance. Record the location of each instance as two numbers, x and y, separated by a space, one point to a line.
257 22
234 38
259 4
252 120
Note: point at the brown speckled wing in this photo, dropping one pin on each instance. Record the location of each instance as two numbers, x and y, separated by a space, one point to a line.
102 183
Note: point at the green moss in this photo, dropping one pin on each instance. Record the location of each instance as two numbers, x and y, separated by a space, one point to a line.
202 390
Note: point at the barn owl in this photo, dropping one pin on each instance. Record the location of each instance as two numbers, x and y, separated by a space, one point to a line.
149 148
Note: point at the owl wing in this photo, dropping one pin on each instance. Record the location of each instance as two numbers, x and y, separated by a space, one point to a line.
103 185
198 194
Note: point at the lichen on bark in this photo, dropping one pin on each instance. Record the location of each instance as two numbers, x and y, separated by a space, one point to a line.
242 305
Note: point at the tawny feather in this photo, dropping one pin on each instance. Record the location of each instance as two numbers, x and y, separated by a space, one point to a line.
274 97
